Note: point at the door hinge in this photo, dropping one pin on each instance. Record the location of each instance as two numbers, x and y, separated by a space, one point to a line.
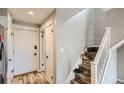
10 59
13 52
12 34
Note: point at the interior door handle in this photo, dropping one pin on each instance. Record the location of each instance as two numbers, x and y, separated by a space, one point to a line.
35 54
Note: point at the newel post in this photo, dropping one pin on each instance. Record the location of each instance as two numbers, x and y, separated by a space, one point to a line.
93 73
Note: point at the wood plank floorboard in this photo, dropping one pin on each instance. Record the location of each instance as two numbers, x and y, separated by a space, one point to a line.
30 78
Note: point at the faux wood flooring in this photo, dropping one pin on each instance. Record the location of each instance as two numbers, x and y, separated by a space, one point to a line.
30 78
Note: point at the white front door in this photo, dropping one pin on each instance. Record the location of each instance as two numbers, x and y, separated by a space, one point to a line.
25 51
49 53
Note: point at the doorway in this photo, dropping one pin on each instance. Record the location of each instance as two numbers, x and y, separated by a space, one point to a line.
27 58
47 65
25 51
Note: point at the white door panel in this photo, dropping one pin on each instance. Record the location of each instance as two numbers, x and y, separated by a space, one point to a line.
42 52
24 59
10 47
49 53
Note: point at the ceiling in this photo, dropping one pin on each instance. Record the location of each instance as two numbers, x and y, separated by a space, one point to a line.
21 14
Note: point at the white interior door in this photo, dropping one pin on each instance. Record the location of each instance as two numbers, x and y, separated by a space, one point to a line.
49 53
42 52
25 52
9 46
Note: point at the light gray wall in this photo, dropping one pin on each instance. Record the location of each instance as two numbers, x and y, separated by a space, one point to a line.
90 29
115 20
3 11
99 25
96 26
1 68
120 65
1 65
71 27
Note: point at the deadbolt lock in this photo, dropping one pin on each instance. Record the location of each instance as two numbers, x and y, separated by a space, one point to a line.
35 47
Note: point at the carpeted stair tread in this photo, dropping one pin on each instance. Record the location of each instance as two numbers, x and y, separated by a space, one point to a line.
83 73
86 67
79 81
90 55
82 78
86 73
86 63
87 60
73 81
92 49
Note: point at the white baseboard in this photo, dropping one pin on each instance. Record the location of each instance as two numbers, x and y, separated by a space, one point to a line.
120 80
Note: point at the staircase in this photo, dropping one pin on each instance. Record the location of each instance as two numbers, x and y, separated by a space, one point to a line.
83 73
93 65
